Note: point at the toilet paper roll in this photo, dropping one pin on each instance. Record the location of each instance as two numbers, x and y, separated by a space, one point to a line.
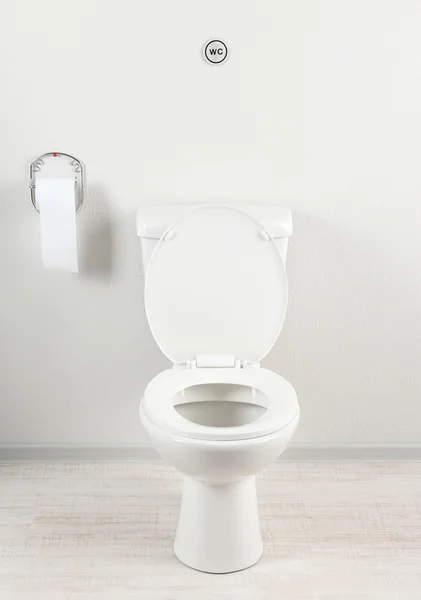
56 202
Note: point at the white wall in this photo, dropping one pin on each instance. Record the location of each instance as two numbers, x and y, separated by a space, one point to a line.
319 108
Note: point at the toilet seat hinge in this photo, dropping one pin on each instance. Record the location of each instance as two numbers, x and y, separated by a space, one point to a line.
207 361
216 361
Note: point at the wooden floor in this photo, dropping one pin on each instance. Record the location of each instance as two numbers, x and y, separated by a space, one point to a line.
99 531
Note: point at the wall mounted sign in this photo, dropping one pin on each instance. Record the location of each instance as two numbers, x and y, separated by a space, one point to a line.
215 52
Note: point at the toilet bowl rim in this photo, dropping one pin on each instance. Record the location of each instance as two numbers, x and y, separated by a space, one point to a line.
157 402
217 442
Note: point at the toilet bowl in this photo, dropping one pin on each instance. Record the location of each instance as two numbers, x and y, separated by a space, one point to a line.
215 297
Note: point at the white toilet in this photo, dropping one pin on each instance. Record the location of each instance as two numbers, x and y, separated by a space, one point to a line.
216 297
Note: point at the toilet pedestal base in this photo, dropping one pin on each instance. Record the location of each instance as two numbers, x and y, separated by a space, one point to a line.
218 530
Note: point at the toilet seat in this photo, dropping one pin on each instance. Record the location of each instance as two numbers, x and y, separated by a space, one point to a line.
158 402
216 295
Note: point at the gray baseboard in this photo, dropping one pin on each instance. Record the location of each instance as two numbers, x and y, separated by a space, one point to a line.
76 453
294 453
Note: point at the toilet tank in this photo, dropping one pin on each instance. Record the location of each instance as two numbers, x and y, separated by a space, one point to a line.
153 221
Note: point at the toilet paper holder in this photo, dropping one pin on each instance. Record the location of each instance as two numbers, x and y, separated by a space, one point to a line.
57 164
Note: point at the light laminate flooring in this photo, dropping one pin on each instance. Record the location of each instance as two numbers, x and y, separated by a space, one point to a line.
332 531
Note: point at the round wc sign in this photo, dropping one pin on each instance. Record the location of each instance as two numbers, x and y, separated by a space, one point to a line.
215 52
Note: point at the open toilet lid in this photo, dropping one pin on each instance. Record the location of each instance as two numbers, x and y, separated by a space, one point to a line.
216 285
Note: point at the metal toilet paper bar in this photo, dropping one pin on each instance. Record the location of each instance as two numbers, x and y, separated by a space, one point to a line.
57 163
